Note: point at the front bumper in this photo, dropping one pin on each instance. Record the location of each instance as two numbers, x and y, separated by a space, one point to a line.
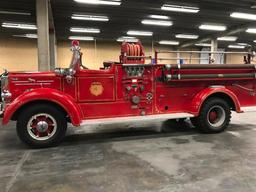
1 110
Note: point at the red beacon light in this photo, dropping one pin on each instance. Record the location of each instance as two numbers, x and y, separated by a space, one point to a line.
75 43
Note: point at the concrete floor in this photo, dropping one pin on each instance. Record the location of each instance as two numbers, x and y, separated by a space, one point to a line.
126 160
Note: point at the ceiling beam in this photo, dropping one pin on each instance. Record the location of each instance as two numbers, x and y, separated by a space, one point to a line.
231 31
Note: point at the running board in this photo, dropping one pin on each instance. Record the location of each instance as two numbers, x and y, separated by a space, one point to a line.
249 109
129 119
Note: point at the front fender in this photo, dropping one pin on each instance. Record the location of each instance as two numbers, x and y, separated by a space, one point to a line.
201 97
63 100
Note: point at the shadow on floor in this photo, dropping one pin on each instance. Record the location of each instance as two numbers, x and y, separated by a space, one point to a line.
167 129
170 128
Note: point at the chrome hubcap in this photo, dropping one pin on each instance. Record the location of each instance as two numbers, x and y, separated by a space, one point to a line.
41 126
216 116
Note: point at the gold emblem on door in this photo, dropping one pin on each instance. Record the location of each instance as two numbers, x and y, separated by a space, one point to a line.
96 88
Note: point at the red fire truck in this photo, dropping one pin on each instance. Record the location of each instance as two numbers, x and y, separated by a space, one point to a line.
43 103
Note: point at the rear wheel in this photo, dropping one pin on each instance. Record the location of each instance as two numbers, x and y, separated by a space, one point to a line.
41 126
214 116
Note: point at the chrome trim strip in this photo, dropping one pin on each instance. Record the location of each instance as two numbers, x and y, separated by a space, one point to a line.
16 81
137 65
217 86
105 121
19 84
42 81
45 81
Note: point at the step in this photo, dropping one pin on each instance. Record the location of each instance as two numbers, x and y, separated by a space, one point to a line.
107 121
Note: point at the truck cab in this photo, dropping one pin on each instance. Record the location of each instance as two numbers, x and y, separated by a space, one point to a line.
42 103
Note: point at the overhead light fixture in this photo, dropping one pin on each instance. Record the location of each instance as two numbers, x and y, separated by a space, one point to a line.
14 13
243 44
159 17
157 22
30 36
166 42
186 36
100 2
90 17
251 30
127 39
140 33
84 30
19 26
227 38
180 8
213 27
236 46
81 38
203 45
246 16
254 41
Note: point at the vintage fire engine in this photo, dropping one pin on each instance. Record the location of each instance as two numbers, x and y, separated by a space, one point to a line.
43 103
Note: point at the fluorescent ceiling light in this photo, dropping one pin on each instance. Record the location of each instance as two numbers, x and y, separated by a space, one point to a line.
140 33
100 2
213 27
227 38
243 44
246 16
14 13
159 17
82 38
30 36
84 30
127 39
254 41
251 30
165 42
89 17
203 45
157 22
19 26
186 36
179 8
236 46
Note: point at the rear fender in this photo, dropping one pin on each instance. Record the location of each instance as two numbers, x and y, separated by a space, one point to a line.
203 95
63 100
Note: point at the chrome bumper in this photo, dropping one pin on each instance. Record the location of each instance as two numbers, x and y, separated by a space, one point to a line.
1 110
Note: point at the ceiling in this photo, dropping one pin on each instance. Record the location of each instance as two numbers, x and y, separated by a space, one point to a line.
128 16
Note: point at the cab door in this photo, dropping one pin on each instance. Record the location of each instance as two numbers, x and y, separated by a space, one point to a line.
96 93
96 88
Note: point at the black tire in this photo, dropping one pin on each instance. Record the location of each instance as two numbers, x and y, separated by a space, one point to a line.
51 114
214 116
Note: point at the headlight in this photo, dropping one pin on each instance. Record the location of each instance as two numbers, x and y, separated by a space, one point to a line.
4 80
4 83
5 94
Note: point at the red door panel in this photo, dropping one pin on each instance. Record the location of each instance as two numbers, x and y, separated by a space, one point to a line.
94 89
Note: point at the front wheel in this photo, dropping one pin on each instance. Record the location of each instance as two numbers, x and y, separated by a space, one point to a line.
214 116
41 126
